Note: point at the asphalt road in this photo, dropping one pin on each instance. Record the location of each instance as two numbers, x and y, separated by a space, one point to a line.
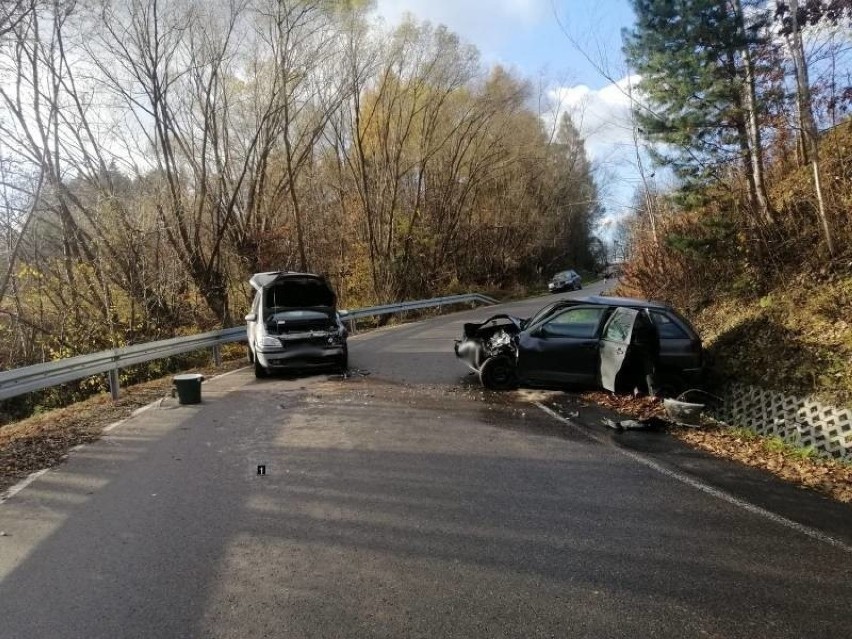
408 503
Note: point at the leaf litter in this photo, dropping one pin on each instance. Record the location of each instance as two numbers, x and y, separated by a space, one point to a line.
828 476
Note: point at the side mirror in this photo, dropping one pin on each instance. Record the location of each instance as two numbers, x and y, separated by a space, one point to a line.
251 317
539 331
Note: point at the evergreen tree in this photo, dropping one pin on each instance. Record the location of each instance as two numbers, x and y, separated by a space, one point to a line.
694 60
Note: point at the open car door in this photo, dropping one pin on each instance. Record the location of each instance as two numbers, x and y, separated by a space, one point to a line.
615 342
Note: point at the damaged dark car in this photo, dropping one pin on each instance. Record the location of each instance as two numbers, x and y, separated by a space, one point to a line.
610 342
294 323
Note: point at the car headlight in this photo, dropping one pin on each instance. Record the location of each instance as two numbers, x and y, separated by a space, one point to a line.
335 336
268 342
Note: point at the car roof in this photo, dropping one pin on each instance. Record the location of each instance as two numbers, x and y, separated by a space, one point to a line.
622 301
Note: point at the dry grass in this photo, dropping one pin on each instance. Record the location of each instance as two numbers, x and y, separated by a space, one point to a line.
796 339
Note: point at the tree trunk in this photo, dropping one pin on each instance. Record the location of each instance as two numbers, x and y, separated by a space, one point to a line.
649 202
806 119
750 104
743 137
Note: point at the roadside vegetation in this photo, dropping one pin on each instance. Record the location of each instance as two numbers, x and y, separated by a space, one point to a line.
754 242
782 321
747 105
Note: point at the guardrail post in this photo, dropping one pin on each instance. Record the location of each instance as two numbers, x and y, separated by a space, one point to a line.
113 383
352 327
217 355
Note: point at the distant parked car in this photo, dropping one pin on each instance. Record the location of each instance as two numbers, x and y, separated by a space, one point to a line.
294 323
565 281
588 342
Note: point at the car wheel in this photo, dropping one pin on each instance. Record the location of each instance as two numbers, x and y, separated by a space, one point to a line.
579 286
259 371
498 373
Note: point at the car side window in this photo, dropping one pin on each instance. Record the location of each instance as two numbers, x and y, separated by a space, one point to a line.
576 322
667 327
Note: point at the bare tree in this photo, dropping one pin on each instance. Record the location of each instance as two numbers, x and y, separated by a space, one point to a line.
804 109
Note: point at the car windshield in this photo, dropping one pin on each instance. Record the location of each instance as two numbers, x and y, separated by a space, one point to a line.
541 314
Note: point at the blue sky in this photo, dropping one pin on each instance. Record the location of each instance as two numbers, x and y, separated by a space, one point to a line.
528 36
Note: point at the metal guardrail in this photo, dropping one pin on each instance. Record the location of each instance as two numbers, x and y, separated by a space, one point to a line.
401 307
31 378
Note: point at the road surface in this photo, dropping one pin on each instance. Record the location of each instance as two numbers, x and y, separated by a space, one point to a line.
407 502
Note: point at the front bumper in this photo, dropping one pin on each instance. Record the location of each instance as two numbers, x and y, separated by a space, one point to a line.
301 355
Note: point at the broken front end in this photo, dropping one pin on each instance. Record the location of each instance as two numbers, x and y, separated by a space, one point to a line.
490 349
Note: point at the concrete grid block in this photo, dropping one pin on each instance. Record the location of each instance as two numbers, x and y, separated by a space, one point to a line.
801 421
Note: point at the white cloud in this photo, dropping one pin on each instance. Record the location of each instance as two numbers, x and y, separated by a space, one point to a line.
486 23
601 115
603 119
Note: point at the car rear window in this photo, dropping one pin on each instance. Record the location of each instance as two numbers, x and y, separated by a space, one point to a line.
667 327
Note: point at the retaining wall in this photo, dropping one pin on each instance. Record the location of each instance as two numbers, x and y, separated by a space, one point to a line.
799 421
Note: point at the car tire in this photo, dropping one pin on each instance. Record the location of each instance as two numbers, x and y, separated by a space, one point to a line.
259 371
579 286
498 373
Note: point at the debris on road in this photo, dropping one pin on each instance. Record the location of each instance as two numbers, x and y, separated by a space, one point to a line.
652 423
830 477
683 413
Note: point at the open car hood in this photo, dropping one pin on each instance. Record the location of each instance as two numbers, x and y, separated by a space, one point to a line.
284 289
472 328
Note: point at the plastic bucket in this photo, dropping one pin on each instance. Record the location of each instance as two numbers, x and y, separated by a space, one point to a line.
188 388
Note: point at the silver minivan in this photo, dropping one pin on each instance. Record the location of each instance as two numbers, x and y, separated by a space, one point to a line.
294 323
